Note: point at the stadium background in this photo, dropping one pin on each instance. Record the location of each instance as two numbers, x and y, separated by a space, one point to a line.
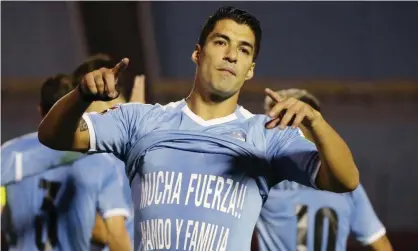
359 58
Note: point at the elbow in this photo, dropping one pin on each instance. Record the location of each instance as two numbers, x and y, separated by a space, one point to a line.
350 184
353 181
338 184
43 136
46 137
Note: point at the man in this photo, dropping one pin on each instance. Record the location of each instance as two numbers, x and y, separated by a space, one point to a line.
56 209
191 163
95 62
296 217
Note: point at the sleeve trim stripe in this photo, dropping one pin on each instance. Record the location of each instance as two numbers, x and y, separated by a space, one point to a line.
116 212
374 237
315 174
18 166
92 134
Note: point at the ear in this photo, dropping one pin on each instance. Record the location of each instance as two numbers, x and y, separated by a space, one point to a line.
196 54
250 72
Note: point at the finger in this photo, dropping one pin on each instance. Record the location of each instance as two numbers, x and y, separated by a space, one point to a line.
90 83
299 118
272 123
288 116
294 110
138 90
120 67
98 79
273 95
279 107
109 84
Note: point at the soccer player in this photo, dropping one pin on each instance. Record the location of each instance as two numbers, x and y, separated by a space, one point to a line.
192 163
95 62
297 217
56 209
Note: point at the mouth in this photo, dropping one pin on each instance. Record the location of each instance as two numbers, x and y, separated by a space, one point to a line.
229 70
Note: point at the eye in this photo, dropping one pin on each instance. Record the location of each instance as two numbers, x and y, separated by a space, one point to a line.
245 51
219 42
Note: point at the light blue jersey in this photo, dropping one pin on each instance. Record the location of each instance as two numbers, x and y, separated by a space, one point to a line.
296 217
196 184
56 208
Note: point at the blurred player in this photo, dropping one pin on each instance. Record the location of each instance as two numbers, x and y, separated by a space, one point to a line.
95 62
191 163
296 217
56 209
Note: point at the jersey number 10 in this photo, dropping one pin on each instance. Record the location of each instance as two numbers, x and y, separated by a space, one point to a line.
320 216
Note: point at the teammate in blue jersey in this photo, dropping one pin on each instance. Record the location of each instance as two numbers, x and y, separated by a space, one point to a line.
296 217
95 62
56 209
201 167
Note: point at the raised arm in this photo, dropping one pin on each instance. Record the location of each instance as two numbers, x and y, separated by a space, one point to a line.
63 128
337 172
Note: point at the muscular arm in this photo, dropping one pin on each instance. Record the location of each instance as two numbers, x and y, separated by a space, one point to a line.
63 127
381 244
338 172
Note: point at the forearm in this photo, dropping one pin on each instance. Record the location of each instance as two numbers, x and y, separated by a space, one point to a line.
338 172
59 128
382 244
117 238
119 242
99 233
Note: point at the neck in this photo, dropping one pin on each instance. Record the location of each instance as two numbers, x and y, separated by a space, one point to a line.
206 108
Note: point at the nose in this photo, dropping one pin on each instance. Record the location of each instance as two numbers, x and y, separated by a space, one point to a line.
231 54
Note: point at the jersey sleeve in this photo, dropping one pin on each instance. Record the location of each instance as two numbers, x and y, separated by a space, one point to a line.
111 200
292 157
16 165
11 167
114 129
365 225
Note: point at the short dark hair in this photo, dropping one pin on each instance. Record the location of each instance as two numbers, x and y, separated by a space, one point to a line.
95 62
92 63
311 100
237 15
302 95
53 89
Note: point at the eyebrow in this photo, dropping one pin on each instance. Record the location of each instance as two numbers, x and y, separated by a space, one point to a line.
219 35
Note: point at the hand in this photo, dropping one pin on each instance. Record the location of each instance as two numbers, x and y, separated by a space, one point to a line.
290 112
138 90
101 84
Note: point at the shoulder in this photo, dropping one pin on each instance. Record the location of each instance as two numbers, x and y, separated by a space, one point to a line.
140 110
257 123
29 149
21 143
129 107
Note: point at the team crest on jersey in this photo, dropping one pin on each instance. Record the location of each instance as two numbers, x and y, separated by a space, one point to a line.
239 136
